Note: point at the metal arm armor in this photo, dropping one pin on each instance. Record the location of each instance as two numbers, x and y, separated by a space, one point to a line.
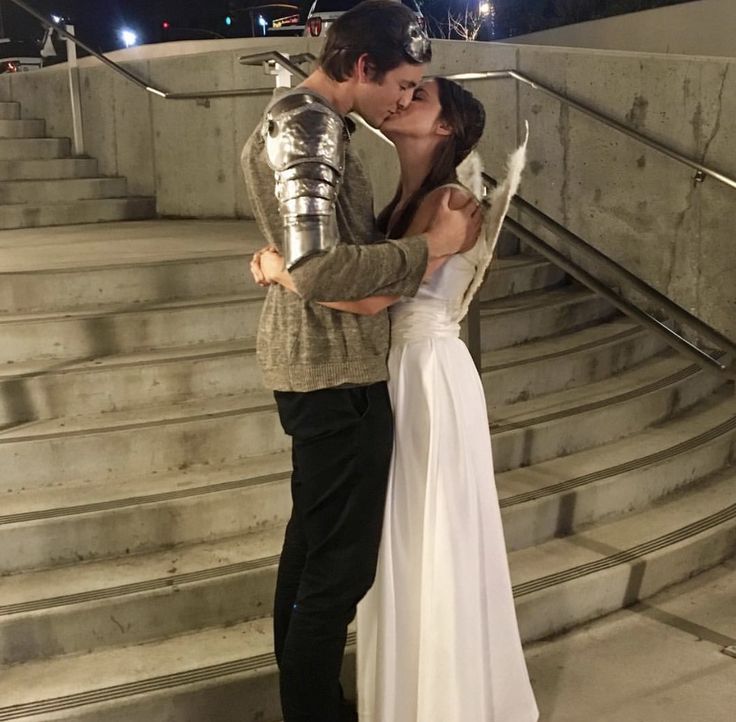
305 146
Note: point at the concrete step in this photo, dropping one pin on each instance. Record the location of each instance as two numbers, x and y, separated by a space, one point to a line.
73 212
17 170
585 417
225 430
9 110
227 673
66 524
44 390
126 279
137 598
547 365
61 190
538 314
34 148
103 331
519 274
61 289
141 598
70 522
555 498
22 128
116 446
565 582
51 389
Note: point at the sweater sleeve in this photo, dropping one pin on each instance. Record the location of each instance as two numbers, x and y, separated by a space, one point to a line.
353 272
347 272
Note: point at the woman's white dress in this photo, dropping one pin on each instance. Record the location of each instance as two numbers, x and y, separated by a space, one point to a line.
438 639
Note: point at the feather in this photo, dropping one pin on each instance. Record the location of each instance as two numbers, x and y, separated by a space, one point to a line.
469 174
500 199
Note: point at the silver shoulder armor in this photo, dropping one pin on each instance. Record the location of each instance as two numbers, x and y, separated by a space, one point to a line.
305 146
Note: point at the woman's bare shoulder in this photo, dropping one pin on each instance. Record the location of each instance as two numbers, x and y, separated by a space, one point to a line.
459 196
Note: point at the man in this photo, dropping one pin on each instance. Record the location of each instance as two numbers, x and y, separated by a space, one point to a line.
328 370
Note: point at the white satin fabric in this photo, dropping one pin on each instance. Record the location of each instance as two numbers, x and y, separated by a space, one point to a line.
437 634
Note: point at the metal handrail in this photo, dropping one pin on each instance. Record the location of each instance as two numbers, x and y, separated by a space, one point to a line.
721 363
701 170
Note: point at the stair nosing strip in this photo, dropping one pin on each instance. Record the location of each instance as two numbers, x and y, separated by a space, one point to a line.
148 585
633 464
110 504
150 684
657 385
631 554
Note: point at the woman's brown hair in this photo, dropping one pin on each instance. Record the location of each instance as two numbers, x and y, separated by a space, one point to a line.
465 115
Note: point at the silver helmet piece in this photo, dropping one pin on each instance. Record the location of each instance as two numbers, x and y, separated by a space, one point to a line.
417 45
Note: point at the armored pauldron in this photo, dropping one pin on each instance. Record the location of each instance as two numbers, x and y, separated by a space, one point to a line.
305 146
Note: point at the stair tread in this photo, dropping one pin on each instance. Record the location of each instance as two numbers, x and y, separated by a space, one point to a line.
707 416
46 367
540 298
122 573
605 539
578 340
74 674
102 310
183 411
191 480
664 368
502 418
125 575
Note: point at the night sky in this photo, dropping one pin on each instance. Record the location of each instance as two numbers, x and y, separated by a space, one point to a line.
98 22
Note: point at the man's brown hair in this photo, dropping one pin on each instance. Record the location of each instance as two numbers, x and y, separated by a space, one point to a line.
378 28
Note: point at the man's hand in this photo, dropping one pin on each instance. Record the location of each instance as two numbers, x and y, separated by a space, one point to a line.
256 268
454 229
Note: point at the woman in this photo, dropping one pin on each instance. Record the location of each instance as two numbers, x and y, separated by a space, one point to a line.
437 634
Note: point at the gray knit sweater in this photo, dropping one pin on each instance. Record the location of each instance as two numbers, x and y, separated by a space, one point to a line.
303 346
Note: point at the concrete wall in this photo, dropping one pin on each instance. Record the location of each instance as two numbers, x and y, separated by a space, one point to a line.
637 206
704 27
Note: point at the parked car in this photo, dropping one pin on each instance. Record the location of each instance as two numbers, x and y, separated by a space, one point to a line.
18 56
324 12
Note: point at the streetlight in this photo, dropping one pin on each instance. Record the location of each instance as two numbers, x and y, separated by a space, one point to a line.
484 8
128 37
263 23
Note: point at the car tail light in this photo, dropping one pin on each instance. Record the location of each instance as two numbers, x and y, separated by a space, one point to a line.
314 25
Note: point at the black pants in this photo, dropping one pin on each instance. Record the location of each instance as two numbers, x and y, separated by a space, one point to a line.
342 440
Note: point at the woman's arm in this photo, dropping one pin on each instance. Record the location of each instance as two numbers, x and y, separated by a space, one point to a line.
270 267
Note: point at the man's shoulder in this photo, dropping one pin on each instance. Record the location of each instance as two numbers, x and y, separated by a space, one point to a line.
297 102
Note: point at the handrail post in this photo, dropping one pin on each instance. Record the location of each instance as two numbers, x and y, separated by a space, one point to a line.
75 94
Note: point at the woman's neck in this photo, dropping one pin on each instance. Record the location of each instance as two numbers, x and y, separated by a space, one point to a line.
415 158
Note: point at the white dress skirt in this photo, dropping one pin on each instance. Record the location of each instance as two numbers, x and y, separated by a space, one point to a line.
438 639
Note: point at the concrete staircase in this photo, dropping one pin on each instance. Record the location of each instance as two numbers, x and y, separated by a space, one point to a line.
145 475
41 184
